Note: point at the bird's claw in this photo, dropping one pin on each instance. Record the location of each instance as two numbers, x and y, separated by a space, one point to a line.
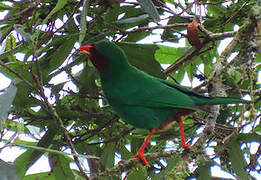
141 157
186 146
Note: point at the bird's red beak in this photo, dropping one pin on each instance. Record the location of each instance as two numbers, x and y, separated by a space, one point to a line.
86 50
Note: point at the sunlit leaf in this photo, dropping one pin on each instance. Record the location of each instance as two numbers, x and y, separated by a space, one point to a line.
142 56
83 20
238 161
168 55
60 166
204 170
29 157
107 157
149 8
6 98
60 4
133 19
139 173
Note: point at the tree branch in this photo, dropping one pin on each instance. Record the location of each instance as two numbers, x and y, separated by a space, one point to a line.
132 163
189 56
148 28
20 76
219 67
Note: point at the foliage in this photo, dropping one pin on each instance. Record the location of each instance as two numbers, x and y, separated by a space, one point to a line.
39 41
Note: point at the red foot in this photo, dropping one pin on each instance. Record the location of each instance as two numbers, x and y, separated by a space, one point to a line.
140 153
186 146
141 157
183 141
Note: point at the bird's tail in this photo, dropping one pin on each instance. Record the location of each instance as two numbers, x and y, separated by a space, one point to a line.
219 100
203 102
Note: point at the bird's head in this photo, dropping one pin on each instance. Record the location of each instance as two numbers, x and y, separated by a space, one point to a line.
86 50
105 55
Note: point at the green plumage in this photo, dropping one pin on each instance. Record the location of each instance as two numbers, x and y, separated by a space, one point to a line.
142 100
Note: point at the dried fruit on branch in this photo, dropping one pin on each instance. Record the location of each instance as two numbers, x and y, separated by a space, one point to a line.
192 32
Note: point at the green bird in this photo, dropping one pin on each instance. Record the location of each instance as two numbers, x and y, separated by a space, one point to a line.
140 99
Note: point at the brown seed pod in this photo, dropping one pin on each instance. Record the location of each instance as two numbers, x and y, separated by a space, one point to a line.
192 33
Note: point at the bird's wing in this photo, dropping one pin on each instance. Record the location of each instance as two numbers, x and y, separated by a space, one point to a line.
135 88
158 93
183 89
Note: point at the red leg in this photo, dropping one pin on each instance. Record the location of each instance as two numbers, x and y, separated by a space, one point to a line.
183 141
140 153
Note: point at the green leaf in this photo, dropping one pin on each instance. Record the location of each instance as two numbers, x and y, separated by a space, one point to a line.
235 75
238 161
20 29
19 67
191 69
6 98
149 8
258 58
56 56
7 171
130 11
171 164
216 10
249 137
207 69
77 175
204 170
11 52
10 44
134 37
140 173
168 55
179 75
60 4
107 157
87 81
142 56
258 128
125 153
258 67
225 113
72 28
24 145
170 36
133 19
29 157
60 166
4 7
23 99
56 89
83 20
112 14
42 175
136 144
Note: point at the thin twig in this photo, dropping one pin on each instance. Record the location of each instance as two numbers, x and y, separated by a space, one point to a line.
19 14
123 133
180 61
76 159
6 34
20 76
132 163
148 28
38 79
